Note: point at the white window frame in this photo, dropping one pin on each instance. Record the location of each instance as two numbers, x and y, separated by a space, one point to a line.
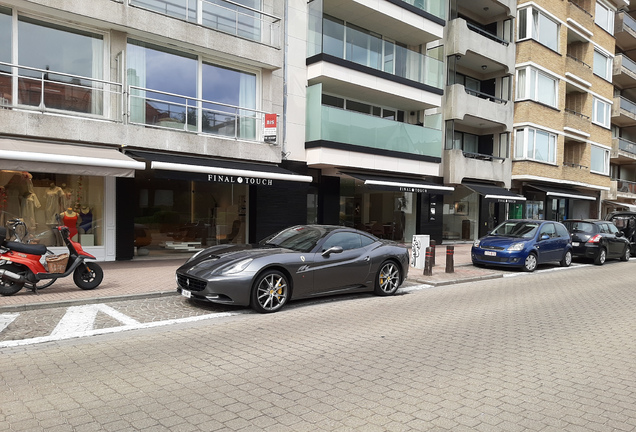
530 32
528 85
601 107
608 65
606 159
525 145
608 24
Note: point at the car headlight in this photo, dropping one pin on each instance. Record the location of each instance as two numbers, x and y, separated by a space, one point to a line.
476 243
237 267
516 247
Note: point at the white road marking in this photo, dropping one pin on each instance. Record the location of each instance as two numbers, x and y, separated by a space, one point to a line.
6 319
82 318
78 334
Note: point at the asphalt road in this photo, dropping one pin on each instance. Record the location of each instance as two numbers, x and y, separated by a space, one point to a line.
551 351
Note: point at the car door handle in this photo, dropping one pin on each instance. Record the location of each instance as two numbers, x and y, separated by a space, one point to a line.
367 258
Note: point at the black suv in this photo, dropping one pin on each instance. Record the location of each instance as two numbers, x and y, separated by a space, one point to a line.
625 221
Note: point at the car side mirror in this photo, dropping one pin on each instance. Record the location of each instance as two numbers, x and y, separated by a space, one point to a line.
544 236
619 234
332 250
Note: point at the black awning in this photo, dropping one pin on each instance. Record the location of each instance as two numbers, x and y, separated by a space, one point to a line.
556 192
217 169
400 184
496 193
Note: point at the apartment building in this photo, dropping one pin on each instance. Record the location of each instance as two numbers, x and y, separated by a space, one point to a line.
478 114
157 124
369 93
622 193
563 106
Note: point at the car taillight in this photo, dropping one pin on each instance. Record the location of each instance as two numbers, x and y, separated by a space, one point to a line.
595 239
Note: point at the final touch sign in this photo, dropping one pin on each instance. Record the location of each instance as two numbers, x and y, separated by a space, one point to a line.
240 180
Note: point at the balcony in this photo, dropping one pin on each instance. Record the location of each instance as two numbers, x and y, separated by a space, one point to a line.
579 13
459 165
623 112
476 109
163 110
625 31
49 91
578 124
414 22
355 49
361 132
479 47
622 189
223 15
624 71
623 151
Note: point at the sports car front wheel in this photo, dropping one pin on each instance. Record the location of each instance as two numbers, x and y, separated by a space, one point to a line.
270 292
388 279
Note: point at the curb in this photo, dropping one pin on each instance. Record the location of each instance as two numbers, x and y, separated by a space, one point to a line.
458 281
79 302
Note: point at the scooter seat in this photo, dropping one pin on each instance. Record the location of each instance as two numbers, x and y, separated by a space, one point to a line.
33 249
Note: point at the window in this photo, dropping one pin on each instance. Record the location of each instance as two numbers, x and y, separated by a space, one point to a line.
364 108
535 24
603 65
537 86
599 163
601 113
345 240
604 17
535 144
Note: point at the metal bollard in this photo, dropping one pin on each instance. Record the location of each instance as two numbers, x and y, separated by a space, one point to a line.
433 257
428 267
450 256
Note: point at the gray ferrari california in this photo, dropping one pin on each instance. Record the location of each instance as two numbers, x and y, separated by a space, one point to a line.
298 262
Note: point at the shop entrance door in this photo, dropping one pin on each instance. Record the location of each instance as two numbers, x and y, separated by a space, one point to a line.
491 214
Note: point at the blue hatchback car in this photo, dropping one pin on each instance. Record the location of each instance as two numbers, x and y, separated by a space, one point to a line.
524 244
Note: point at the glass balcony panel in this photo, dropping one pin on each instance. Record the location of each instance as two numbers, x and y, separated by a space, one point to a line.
372 132
628 105
434 7
368 50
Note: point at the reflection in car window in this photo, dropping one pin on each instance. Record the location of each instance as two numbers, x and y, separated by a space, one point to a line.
562 231
516 229
298 238
612 229
548 229
346 240
580 227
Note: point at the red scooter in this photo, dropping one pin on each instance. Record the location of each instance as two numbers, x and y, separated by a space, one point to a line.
21 264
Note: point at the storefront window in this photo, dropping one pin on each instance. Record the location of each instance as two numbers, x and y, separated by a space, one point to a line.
460 215
534 210
44 201
169 221
385 214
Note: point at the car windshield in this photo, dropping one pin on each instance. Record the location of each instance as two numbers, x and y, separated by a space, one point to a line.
579 227
516 229
298 238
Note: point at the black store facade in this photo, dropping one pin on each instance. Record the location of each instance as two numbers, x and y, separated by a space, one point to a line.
180 204
390 207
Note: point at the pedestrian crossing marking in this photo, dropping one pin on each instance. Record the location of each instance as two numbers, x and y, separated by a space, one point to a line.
79 319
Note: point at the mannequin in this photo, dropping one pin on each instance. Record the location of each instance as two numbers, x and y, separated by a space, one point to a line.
69 218
67 196
86 219
29 202
53 204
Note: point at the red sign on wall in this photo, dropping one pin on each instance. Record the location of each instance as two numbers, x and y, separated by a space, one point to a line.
269 134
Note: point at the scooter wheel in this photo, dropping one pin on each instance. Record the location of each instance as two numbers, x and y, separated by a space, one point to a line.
9 287
88 276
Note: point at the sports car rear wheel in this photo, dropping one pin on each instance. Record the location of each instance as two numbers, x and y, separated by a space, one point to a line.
388 279
270 292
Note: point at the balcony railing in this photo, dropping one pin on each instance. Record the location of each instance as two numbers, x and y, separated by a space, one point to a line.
172 111
434 7
628 63
577 114
223 15
579 7
575 165
366 131
487 34
627 145
581 62
51 91
347 43
625 186
628 105
486 96
629 21
485 157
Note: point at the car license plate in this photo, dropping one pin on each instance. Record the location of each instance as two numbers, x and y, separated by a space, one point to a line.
490 253
186 293
575 244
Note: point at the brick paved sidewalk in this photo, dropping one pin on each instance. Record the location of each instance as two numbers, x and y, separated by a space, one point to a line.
141 279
